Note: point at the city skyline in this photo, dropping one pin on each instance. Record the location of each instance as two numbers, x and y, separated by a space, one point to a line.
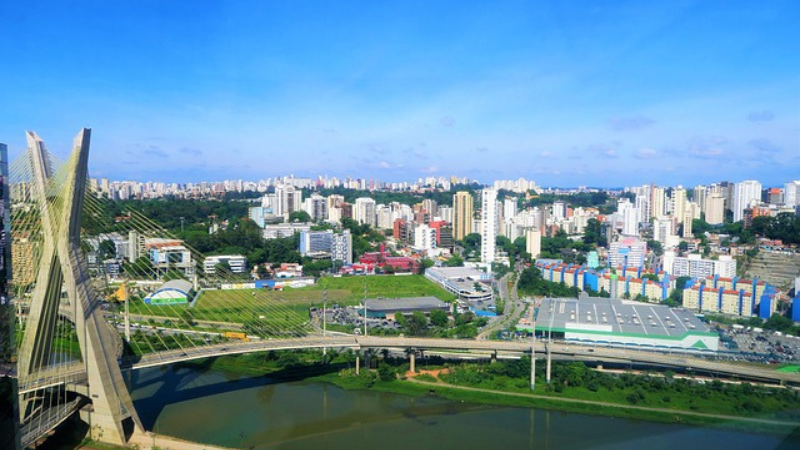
608 97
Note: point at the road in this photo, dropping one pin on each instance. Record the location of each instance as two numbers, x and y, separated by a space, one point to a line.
573 352
514 308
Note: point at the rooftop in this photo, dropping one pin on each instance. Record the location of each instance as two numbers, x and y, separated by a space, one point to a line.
407 303
611 315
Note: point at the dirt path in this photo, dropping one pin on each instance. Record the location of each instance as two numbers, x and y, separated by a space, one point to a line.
148 440
615 405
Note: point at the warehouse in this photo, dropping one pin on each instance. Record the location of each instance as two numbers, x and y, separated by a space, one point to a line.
383 307
616 321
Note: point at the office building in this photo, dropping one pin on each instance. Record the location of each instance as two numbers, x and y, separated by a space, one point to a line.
315 243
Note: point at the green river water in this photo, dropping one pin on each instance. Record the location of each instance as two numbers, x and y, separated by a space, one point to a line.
226 409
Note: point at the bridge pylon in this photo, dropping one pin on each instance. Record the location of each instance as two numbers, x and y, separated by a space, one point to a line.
63 269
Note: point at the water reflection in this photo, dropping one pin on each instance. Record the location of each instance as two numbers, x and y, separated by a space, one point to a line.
215 407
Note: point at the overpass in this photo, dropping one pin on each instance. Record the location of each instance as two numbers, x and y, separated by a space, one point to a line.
75 374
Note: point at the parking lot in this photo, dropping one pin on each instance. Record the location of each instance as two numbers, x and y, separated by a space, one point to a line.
757 345
349 316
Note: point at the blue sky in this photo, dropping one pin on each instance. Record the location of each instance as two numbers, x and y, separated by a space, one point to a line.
566 93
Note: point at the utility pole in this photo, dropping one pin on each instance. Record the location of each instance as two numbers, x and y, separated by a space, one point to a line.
324 321
182 219
127 314
533 350
550 339
365 308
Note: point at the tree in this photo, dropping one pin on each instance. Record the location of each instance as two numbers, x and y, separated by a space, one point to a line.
141 268
107 249
656 247
222 268
683 246
650 276
593 233
439 318
778 322
299 216
417 323
700 227
454 261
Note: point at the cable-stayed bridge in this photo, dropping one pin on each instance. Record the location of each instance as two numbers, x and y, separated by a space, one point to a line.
79 328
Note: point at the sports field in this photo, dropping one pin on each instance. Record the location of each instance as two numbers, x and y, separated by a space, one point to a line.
290 306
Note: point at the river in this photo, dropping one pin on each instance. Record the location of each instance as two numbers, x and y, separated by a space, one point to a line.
230 410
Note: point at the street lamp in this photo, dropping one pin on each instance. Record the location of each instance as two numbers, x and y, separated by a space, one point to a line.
324 321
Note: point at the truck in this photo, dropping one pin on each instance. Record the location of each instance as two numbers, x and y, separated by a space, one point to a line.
236 335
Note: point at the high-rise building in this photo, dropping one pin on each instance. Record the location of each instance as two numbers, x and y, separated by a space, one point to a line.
628 252
629 215
791 193
695 266
657 202
315 242
745 193
462 215
317 207
342 247
725 189
643 206
431 208
662 230
715 209
488 224
678 202
288 199
364 211
559 210
509 208
688 217
533 242
424 237
446 213
699 196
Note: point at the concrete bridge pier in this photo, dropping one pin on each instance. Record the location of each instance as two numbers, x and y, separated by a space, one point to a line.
549 361
412 358
493 357
358 364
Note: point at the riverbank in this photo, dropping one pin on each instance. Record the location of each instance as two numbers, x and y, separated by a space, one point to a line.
423 386
665 398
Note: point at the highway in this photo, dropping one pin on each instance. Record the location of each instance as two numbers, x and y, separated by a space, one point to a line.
570 351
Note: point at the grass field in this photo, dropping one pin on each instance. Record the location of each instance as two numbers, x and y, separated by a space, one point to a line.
789 369
289 308
384 286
